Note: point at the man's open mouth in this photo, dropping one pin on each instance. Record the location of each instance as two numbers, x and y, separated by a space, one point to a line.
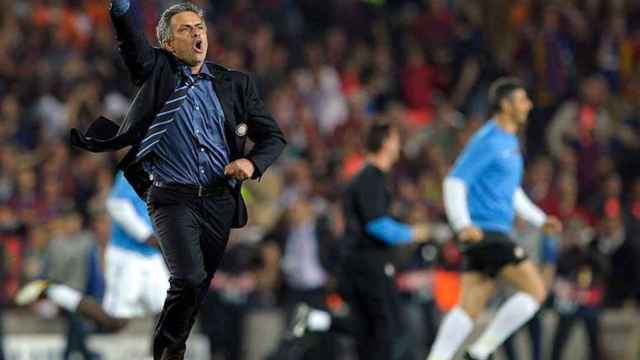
197 46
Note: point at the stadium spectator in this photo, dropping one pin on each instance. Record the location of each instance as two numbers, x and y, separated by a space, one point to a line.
579 291
231 294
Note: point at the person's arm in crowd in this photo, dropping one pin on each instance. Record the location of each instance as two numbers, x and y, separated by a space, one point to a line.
549 258
138 55
561 129
469 75
124 214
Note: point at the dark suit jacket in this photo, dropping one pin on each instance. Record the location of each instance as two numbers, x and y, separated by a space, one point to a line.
156 72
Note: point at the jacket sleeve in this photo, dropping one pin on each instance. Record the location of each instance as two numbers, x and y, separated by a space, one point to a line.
263 131
139 56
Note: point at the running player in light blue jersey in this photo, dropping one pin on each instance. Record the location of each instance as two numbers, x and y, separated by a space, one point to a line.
482 195
136 275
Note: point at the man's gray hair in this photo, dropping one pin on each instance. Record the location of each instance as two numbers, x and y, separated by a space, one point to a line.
163 29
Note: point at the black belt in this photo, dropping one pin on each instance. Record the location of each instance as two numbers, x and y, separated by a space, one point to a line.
215 189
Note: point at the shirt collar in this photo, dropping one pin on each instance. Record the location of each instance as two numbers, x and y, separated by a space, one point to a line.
204 72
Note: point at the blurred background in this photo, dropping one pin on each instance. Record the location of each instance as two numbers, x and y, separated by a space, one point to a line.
326 69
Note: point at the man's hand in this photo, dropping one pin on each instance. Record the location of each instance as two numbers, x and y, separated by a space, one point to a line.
470 233
421 232
552 225
241 169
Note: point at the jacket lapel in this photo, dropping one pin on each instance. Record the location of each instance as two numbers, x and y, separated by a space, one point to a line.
223 88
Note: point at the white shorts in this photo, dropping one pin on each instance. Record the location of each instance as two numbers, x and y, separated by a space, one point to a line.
136 285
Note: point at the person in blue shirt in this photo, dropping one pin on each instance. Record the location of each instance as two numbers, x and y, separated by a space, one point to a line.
366 278
135 273
482 195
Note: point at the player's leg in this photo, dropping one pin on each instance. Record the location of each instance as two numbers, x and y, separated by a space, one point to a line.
366 284
193 235
526 277
123 287
458 323
516 311
155 290
216 225
381 306
71 300
178 229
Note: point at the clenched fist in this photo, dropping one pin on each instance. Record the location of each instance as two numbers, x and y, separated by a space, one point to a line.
241 169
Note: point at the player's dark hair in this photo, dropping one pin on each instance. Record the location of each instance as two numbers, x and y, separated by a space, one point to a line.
377 133
501 89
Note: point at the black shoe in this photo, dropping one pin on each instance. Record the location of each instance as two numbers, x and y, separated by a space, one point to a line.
468 356
299 323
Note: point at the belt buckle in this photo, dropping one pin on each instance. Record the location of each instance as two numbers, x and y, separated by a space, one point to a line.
199 190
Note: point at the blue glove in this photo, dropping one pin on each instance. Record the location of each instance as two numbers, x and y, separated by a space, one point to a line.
119 7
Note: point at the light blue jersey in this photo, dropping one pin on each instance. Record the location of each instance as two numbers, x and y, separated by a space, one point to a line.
130 220
491 167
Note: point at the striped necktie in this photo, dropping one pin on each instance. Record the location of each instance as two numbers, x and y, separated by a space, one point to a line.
164 118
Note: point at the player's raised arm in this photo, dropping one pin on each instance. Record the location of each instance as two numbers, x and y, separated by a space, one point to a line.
139 56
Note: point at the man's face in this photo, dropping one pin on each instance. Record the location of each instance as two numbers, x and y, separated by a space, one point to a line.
189 38
518 106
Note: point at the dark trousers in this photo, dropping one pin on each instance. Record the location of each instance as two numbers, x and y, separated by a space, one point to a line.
591 319
367 284
193 233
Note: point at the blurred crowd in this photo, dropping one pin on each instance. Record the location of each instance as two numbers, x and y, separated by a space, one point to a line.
326 69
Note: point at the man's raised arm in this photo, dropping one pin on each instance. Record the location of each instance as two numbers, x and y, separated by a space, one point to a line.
138 55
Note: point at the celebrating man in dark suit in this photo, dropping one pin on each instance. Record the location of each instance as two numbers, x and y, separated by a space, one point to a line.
187 129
